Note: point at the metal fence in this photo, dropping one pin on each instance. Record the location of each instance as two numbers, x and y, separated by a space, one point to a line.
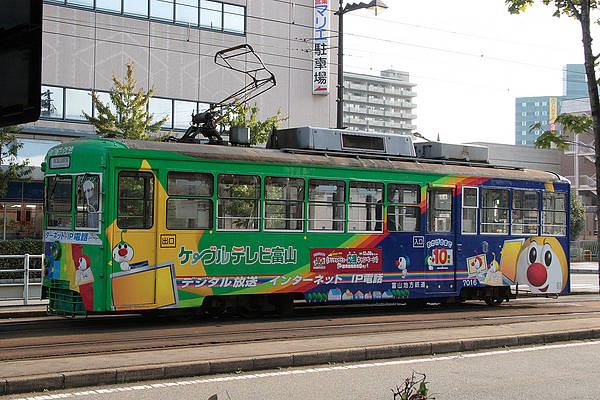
584 250
19 288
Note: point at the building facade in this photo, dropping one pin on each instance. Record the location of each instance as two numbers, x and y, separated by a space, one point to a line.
574 81
172 45
530 111
379 103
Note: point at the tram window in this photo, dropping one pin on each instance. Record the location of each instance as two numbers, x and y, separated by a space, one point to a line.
365 212
189 212
59 202
87 201
135 208
494 211
470 200
326 205
554 214
237 207
284 204
525 212
404 212
189 184
439 210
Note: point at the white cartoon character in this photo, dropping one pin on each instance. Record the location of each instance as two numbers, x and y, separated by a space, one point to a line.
123 253
542 265
83 266
493 275
430 263
401 264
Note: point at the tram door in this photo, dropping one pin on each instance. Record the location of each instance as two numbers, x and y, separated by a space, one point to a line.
134 273
440 240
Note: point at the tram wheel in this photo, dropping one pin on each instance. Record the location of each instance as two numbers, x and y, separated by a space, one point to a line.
493 301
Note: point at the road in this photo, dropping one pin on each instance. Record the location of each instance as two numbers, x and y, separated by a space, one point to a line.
561 371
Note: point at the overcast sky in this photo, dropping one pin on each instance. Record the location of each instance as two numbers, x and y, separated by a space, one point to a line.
469 59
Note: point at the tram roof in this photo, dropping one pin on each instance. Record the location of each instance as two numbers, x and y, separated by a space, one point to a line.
363 161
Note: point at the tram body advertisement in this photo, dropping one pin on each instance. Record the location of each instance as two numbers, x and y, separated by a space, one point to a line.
127 257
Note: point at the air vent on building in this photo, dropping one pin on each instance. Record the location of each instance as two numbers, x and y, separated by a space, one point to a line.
335 140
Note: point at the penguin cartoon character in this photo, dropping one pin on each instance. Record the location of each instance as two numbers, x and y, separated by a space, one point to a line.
83 267
123 253
401 264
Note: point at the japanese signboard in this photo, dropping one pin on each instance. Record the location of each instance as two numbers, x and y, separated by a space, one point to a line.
553 110
333 261
321 34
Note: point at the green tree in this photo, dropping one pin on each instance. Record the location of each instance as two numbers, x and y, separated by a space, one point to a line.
577 215
12 170
131 119
245 116
579 10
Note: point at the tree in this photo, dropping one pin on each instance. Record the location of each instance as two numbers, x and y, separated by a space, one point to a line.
577 215
131 119
11 169
581 11
244 116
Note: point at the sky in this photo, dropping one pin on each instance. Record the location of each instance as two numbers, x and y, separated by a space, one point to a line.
469 59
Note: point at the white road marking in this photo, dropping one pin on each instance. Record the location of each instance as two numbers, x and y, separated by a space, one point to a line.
310 371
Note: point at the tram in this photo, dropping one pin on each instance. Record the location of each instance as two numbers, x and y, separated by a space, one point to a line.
319 215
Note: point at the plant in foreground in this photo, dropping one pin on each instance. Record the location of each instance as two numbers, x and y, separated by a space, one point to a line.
414 388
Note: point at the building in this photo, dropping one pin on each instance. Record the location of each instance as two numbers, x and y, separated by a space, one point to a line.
578 166
574 81
509 155
379 103
529 111
172 45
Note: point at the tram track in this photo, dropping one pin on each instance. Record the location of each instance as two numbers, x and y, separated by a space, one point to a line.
96 336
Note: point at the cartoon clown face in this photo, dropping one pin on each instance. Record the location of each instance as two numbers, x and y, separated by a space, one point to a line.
542 265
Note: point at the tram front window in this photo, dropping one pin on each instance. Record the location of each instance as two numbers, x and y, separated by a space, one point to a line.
59 202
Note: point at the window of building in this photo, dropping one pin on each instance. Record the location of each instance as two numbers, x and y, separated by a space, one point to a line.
52 102
365 211
523 123
537 113
59 200
544 103
162 10
87 201
439 210
104 98
523 142
554 214
544 112
537 103
189 205
525 214
523 133
524 104
186 12
403 212
135 204
470 200
109 5
161 108
326 205
183 111
238 204
81 3
211 13
284 204
76 102
135 7
494 210
523 114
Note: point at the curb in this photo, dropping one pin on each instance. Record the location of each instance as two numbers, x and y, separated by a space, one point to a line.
120 375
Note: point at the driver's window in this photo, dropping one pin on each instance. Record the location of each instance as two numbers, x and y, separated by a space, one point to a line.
87 201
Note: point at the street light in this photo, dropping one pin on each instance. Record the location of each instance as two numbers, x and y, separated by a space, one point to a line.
373 5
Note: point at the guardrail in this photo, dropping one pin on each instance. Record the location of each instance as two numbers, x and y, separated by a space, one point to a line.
27 282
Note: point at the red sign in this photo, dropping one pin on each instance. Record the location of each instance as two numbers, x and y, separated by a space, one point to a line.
334 261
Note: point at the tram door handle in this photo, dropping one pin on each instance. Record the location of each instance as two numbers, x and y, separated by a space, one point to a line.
458 247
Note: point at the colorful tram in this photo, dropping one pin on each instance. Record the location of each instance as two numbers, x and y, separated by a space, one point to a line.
136 225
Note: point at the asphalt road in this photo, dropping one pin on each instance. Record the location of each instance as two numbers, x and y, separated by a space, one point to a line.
561 371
